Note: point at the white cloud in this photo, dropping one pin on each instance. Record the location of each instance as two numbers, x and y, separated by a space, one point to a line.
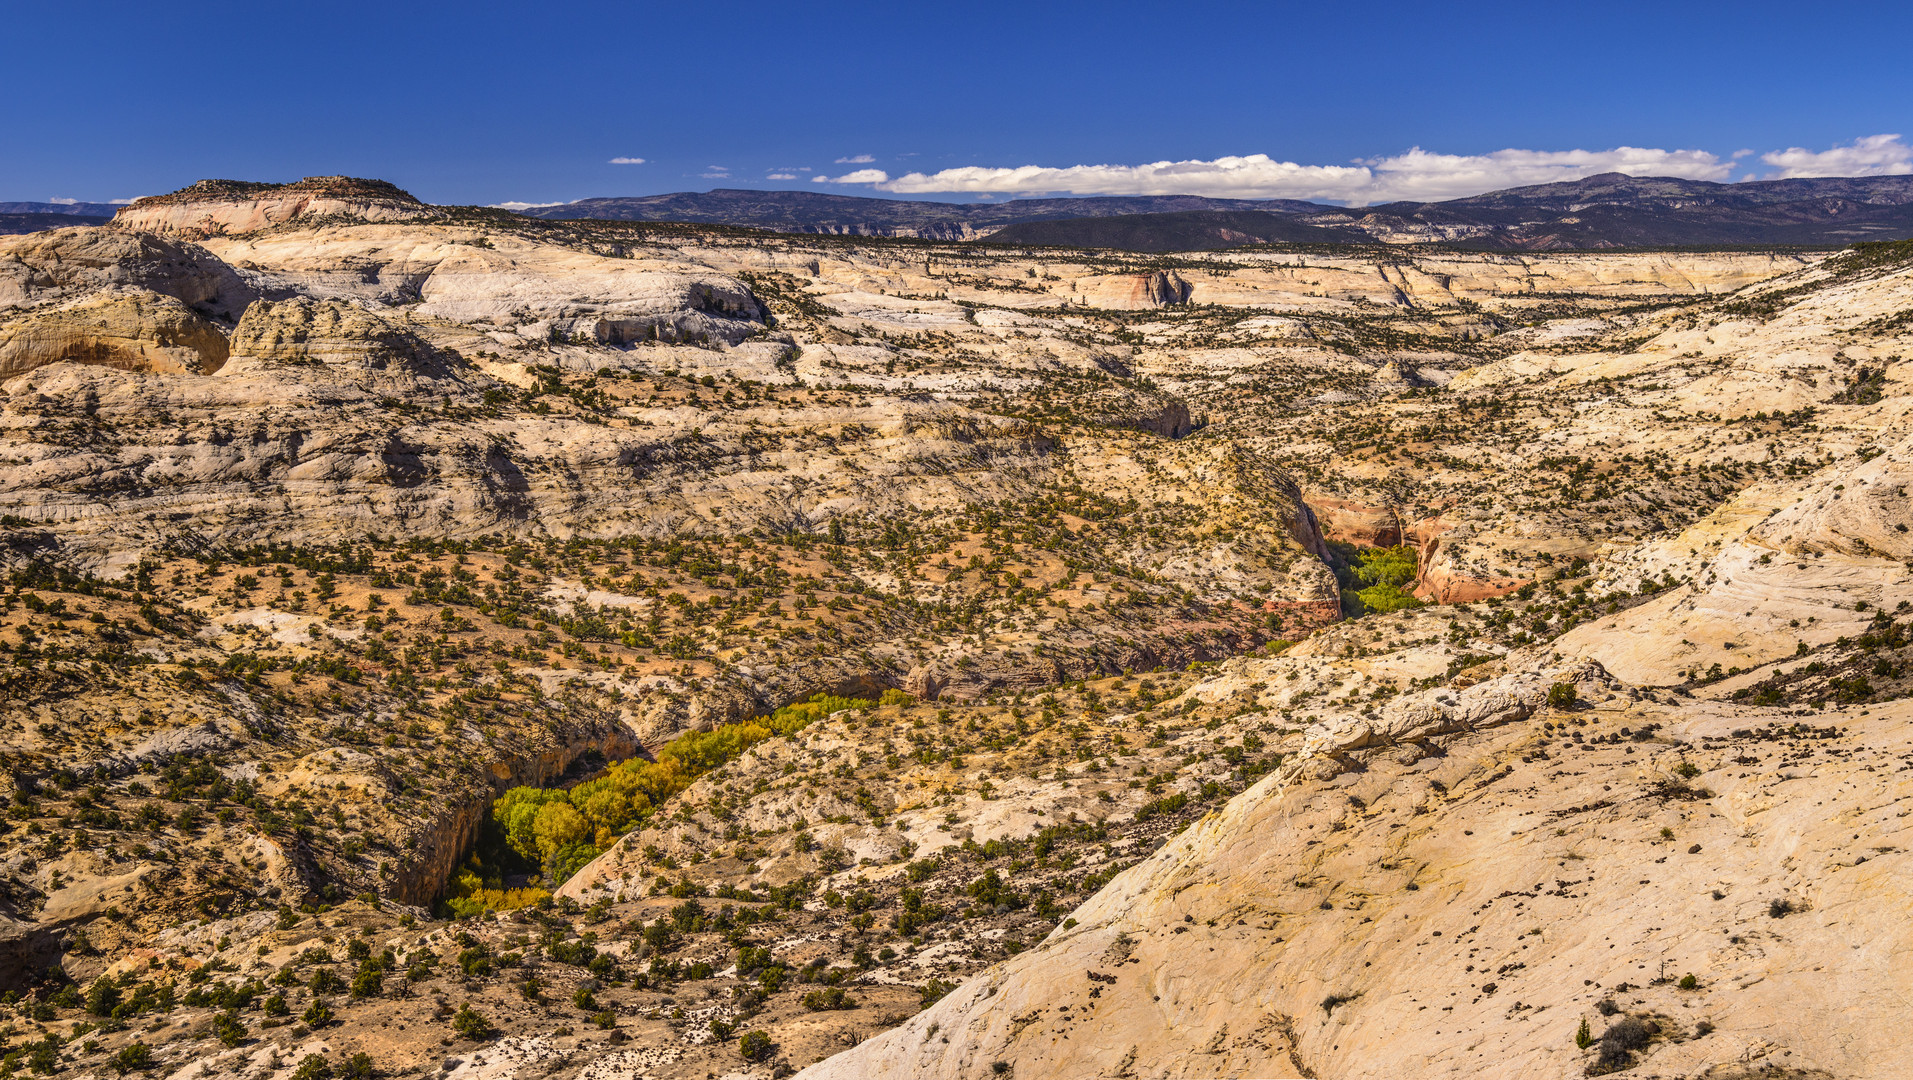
517 206
868 176
780 176
1874 155
625 161
856 159
58 201
1422 175
1416 174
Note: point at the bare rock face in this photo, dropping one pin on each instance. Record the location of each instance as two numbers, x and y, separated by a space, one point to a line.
1353 522
66 264
1423 716
1469 914
128 329
1133 292
27 950
1398 375
230 207
1863 511
1776 570
339 335
1449 574
1154 413
541 292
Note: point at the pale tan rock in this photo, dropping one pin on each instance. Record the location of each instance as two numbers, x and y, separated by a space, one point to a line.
540 291
345 338
1388 928
375 385
1777 568
126 329
62 265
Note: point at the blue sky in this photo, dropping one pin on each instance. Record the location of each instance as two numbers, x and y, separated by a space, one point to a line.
491 103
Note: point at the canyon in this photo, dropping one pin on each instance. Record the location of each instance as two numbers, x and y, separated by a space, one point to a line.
331 517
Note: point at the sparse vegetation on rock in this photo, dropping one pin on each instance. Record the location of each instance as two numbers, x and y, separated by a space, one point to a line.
667 650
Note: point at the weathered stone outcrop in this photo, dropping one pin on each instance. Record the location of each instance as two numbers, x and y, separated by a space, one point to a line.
1777 569
63 265
1447 576
1155 414
350 340
1395 376
1354 523
131 330
1464 914
1160 288
27 950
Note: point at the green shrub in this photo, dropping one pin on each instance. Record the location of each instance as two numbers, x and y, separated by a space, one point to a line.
1562 695
754 1045
134 1057
829 998
45 1055
229 1029
1386 576
368 983
469 1024
1621 1039
102 996
932 992
313 1067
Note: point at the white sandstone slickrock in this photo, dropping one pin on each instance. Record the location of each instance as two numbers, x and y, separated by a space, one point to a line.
1462 915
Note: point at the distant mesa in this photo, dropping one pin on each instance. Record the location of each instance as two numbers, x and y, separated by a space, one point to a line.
231 207
855 215
325 187
68 209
